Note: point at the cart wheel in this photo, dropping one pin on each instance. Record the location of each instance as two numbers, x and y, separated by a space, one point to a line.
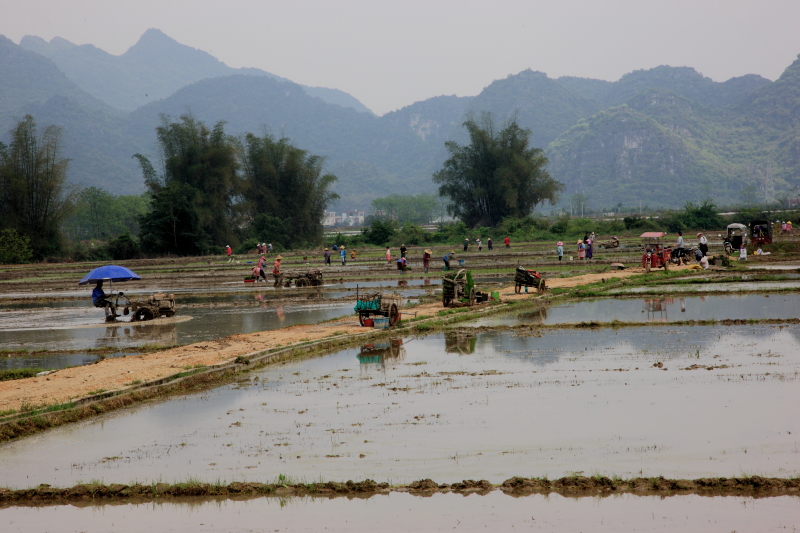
542 287
361 319
666 265
445 301
472 296
301 282
647 265
517 288
394 315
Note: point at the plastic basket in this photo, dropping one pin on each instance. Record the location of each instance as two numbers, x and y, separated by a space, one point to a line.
381 323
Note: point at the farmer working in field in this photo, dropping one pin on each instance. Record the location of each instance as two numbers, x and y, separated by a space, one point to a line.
276 270
100 299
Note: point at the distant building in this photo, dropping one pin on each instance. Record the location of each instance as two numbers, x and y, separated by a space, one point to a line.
349 218
330 219
353 218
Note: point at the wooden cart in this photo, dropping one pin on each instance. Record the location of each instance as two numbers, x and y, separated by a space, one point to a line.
383 304
458 289
528 278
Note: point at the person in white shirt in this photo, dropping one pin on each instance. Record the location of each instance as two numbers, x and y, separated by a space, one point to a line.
703 244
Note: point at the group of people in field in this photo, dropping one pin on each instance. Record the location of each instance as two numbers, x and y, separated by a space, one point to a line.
341 251
402 261
585 247
259 270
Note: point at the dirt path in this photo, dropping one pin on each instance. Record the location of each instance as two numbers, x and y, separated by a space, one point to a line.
110 374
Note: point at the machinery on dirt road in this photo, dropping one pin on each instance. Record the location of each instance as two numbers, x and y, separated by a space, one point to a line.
378 304
736 236
458 289
656 254
760 232
528 278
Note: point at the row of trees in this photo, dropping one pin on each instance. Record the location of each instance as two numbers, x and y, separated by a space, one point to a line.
215 189
34 196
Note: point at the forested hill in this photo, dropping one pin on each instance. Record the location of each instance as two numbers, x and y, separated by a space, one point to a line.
26 77
154 68
660 136
664 147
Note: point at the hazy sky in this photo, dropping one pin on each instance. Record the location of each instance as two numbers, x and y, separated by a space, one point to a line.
389 54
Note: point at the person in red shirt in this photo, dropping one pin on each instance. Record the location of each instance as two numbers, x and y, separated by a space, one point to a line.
507 242
228 251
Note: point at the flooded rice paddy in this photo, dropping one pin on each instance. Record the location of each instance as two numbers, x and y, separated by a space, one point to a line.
754 286
75 325
402 512
683 402
657 309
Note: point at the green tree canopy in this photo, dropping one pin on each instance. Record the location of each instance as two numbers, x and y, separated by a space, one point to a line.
285 191
419 208
98 214
200 175
34 199
497 175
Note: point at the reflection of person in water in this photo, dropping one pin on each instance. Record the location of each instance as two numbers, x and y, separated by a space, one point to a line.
279 312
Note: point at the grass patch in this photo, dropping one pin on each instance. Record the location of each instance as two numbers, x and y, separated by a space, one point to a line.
19 373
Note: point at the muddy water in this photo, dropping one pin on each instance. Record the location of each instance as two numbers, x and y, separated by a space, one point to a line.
63 325
206 323
459 406
714 287
658 309
402 512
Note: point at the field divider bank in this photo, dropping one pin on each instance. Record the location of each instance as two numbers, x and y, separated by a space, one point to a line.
30 419
574 486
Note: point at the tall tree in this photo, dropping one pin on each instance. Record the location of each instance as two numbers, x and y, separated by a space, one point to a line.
497 175
200 175
34 198
285 190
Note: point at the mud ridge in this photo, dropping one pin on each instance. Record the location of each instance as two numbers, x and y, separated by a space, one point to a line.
516 486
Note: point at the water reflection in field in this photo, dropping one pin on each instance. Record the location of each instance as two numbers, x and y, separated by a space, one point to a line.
683 402
403 512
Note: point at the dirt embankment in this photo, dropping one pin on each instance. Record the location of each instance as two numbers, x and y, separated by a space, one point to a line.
117 373
516 486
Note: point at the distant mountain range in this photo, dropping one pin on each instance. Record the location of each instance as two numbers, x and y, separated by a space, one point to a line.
660 136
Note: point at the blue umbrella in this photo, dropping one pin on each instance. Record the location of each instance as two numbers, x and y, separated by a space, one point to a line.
109 272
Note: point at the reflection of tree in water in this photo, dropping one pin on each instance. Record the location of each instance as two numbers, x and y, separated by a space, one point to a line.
383 352
540 350
459 342
537 316
129 335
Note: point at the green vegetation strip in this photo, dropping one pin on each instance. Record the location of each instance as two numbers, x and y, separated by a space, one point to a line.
19 373
572 485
